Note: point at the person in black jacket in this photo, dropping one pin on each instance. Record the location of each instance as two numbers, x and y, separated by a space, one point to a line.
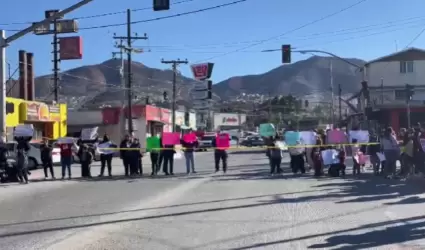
46 159
125 153
134 156
168 156
373 148
22 158
139 157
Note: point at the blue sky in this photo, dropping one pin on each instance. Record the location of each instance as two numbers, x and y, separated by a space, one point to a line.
214 33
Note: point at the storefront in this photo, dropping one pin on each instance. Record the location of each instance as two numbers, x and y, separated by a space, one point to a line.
49 121
156 120
225 121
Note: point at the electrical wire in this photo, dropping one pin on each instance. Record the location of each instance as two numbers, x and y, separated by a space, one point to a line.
287 32
162 18
355 30
102 14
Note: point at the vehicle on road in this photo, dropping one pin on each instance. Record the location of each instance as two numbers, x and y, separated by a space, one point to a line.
205 141
34 154
252 141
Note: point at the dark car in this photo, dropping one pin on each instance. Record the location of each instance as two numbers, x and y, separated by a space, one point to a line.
253 141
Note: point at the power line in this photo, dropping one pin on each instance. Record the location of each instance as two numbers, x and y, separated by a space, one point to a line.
167 17
165 50
287 32
102 14
360 29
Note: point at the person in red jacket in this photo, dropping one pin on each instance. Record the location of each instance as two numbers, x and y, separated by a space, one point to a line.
67 150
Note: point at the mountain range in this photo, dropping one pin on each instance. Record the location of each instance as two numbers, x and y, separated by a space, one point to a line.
100 84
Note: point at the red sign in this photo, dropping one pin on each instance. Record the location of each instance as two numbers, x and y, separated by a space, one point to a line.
202 71
230 120
71 48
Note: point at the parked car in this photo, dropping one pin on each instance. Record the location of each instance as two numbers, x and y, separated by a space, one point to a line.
205 142
34 154
252 141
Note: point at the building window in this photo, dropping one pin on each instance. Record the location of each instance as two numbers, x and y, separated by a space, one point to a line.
406 67
400 94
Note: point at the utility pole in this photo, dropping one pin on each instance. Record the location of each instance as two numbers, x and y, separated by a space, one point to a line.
129 49
174 64
332 90
340 101
56 60
270 107
120 55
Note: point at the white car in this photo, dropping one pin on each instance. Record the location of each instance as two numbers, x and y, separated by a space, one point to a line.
34 154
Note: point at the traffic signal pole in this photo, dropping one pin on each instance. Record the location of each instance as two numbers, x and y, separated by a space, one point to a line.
4 42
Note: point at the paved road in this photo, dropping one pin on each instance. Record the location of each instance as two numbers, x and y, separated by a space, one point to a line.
244 209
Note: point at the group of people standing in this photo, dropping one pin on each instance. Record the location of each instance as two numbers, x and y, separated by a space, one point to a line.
384 150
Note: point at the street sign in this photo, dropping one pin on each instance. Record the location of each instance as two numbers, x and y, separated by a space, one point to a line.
67 26
62 27
200 86
202 71
199 95
202 104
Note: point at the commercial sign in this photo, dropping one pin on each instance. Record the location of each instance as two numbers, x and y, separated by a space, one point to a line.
202 71
71 48
37 112
54 112
229 119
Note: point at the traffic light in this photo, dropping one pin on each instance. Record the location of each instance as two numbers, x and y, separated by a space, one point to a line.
209 83
159 5
410 91
165 95
286 53
306 103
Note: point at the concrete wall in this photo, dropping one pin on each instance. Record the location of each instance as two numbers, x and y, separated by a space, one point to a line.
78 118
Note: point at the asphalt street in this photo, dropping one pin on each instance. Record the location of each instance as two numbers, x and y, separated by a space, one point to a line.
245 208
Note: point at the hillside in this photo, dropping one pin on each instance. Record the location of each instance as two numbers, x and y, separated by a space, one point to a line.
95 85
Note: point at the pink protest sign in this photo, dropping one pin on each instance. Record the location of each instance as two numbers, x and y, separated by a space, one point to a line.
335 136
190 137
223 141
169 138
363 159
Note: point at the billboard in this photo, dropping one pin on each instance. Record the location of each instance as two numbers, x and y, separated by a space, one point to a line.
71 48
202 71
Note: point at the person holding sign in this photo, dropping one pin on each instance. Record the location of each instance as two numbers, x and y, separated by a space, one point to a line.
221 142
67 146
46 159
189 143
106 154
153 145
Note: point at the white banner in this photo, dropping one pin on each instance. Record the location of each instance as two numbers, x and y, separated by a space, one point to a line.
89 133
24 130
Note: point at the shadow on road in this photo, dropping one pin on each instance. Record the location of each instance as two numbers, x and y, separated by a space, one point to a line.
385 233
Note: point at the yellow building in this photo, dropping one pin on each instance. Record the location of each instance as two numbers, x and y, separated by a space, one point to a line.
49 121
